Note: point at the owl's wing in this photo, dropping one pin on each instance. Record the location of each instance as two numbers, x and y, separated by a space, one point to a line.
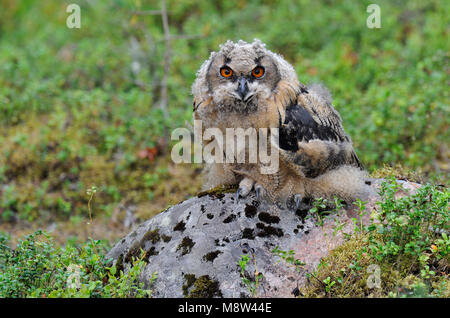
312 138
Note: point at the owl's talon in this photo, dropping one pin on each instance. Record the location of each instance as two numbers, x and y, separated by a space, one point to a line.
293 202
298 200
245 186
243 191
259 191
237 194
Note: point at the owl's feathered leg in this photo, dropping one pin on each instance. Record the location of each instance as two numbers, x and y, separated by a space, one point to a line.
315 157
326 169
245 186
216 175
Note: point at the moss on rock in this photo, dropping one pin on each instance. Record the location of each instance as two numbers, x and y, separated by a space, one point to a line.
205 287
218 192
186 245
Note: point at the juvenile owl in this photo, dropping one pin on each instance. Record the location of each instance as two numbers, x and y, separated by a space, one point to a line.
244 85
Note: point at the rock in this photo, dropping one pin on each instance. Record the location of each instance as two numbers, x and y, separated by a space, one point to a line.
195 246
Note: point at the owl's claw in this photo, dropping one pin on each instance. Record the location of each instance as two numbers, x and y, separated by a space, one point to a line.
298 200
238 193
245 187
294 202
243 191
259 191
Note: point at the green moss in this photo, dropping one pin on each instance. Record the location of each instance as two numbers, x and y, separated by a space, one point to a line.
248 233
349 281
119 265
229 218
399 172
250 211
133 252
166 238
180 226
151 252
266 231
204 287
152 236
218 192
189 281
49 167
268 218
348 267
211 256
186 245
135 249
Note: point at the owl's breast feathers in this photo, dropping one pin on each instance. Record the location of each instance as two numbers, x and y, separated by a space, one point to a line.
311 137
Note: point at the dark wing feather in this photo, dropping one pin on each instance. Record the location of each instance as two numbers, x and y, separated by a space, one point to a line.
300 126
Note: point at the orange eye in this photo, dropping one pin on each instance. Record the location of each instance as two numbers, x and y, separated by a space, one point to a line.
226 72
258 71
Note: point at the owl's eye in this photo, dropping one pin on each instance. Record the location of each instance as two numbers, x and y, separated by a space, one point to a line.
226 72
258 71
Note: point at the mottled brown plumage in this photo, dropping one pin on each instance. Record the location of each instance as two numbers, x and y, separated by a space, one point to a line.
317 158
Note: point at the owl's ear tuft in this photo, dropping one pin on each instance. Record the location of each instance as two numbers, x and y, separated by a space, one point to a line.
259 47
227 47
198 87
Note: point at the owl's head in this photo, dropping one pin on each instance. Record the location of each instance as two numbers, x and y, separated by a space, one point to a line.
240 75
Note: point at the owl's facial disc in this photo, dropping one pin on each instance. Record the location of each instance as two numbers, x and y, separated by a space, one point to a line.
245 85
240 81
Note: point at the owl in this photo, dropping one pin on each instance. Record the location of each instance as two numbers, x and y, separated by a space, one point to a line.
244 85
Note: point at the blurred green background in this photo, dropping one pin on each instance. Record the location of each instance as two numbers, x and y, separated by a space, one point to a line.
81 107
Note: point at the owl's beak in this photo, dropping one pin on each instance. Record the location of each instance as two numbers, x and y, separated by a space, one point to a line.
242 89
